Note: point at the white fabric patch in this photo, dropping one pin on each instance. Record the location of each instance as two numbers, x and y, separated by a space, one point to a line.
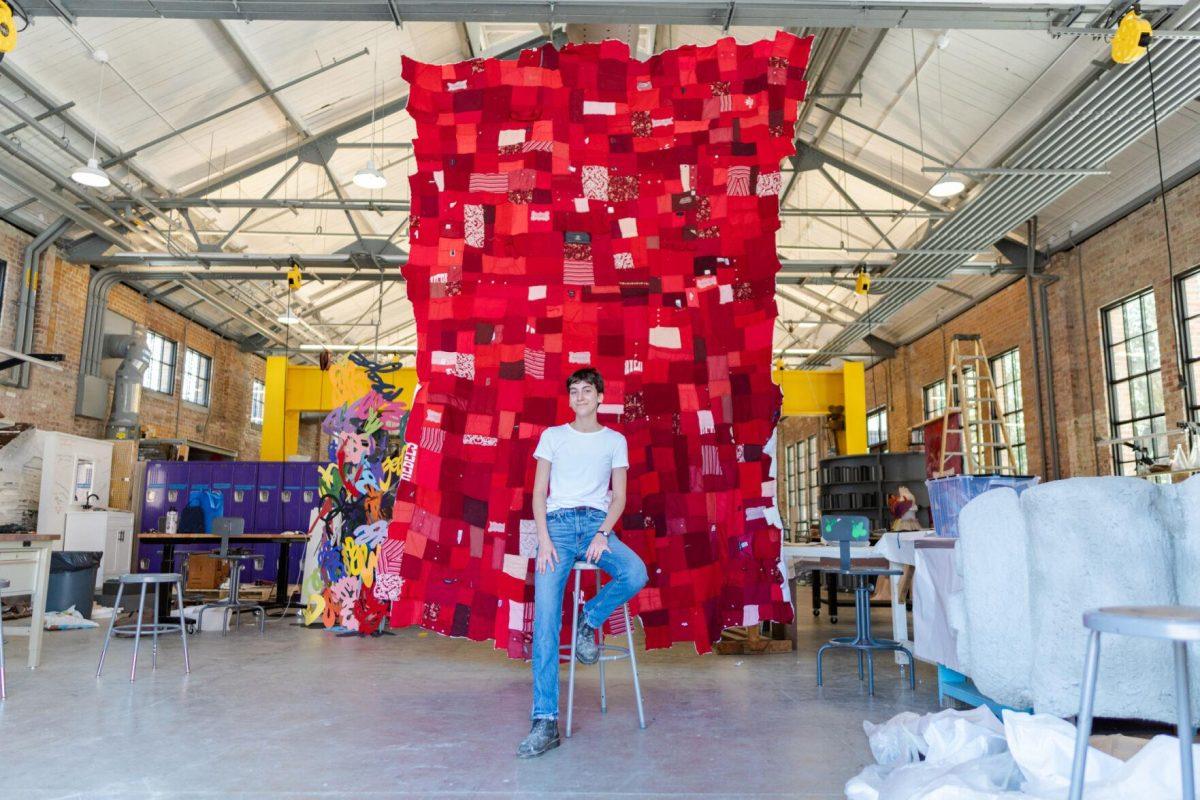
495 527
628 226
632 365
454 86
607 109
750 615
439 178
581 205
433 416
515 565
662 123
706 422
528 526
644 85
685 176
443 358
516 615
510 137
726 293
539 216
756 512
610 408
706 282
665 337
537 292
579 357
623 260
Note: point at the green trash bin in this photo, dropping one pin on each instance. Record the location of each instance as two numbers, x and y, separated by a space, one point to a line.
73 581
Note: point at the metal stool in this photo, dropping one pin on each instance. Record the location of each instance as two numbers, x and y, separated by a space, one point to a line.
4 584
844 530
617 623
145 579
233 603
1176 624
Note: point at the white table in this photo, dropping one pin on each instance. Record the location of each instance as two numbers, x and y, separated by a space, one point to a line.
25 560
898 548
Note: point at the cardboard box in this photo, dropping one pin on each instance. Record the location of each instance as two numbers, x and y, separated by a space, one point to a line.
206 572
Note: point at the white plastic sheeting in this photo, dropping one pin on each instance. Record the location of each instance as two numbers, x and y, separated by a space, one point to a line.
970 755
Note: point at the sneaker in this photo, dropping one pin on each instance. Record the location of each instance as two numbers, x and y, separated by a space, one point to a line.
587 651
542 736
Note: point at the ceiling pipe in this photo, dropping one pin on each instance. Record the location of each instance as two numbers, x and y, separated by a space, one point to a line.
31 261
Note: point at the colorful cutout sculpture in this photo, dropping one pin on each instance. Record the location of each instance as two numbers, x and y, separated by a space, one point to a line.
578 207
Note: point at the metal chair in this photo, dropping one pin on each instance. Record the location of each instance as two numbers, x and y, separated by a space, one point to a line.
4 584
1176 624
145 579
227 527
617 623
845 530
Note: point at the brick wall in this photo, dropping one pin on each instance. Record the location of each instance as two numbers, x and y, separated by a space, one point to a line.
49 402
1124 259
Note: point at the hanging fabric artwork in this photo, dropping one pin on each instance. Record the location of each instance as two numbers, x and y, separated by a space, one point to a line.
578 207
347 584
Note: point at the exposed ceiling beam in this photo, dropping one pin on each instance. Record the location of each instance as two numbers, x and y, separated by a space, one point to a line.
771 13
248 57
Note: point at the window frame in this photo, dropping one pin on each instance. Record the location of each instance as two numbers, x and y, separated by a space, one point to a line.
879 445
1189 349
258 399
1158 447
170 383
925 394
205 380
1010 362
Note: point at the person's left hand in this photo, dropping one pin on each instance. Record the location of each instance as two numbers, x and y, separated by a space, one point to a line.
598 547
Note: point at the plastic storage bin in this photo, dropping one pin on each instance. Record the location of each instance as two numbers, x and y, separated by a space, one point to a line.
947 496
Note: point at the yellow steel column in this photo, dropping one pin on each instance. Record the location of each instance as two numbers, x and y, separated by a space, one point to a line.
274 433
854 399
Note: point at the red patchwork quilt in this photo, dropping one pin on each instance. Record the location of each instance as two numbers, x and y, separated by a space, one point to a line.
578 207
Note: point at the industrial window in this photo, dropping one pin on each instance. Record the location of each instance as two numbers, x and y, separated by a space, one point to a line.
790 491
197 377
877 429
810 504
258 398
1135 396
160 372
1006 374
934 396
1188 288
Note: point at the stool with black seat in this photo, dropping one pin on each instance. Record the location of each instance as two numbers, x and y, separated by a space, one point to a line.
844 530
618 622
226 527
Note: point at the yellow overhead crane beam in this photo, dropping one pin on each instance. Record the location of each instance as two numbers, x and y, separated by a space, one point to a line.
292 389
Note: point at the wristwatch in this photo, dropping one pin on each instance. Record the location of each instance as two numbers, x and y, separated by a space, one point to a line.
604 533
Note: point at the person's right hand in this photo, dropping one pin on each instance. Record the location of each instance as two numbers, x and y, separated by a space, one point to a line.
546 556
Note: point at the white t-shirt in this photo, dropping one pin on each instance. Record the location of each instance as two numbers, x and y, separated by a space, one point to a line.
581 465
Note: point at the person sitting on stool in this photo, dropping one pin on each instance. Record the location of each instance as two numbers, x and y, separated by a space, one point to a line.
576 462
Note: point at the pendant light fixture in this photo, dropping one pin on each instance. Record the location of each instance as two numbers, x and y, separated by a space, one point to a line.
947 186
91 174
369 177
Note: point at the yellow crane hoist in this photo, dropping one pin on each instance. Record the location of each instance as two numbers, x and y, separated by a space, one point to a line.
8 28
1130 40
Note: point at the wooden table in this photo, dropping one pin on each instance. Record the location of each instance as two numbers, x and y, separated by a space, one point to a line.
170 540
32 551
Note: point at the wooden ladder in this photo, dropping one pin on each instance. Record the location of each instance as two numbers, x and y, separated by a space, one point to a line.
971 393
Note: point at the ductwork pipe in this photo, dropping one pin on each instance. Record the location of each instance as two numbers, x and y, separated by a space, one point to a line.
31 270
123 420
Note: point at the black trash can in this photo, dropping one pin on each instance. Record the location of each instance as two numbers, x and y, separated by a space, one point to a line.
73 581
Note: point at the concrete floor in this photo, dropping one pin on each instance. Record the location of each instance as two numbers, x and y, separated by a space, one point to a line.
302 713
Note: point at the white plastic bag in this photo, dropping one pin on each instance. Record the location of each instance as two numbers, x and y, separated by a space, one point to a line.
896 741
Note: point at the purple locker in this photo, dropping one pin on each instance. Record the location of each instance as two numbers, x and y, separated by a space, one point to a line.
199 475
154 502
178 480
268 510
240 503
295 512
222 481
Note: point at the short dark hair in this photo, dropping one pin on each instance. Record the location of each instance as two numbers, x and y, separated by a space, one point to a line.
588 375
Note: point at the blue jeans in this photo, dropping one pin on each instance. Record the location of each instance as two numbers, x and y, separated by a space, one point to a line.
571 530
